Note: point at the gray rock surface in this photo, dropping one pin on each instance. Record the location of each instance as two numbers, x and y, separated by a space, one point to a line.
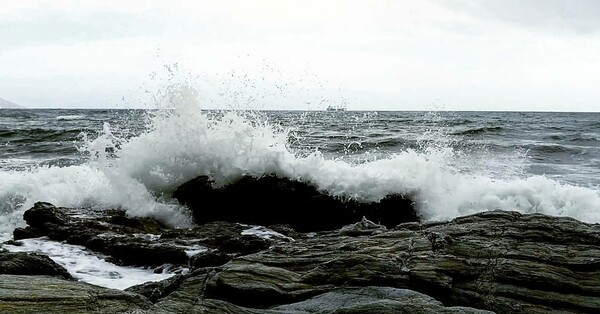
372 300
363 300
30 264
499 261
139 241
41 294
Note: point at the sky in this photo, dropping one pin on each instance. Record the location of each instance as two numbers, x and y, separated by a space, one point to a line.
516 55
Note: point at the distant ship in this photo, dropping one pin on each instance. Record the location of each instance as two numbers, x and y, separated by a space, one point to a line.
336 108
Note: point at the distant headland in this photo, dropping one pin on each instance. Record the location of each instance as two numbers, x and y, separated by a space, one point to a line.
5 104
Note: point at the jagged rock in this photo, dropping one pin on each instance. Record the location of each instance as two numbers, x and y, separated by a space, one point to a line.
155 290
187 295
30 264
373 300
364 226
244 244
25 233
505 262
357 300
499 261
209 259
137 241
271 200
41 294
287 231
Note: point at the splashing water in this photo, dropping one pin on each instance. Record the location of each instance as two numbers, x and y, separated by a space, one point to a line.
187 142
138 173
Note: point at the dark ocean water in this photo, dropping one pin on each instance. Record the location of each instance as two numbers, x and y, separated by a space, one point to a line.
564 146
449 163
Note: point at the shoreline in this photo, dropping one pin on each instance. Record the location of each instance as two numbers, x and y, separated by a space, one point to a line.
498 261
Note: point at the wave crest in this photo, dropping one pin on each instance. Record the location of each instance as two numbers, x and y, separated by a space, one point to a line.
140 172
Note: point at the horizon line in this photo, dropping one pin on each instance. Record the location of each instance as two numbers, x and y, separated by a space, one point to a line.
305 110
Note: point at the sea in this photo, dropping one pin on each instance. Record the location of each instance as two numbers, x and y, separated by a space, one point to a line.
450 163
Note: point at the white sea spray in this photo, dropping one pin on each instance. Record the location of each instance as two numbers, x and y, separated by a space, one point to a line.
87 266
181 142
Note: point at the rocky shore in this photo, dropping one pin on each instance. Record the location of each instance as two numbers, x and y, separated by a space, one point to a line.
497 261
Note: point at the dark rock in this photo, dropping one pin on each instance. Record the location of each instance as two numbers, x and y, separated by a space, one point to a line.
148 225
244 244
157 290
287 231
136 241
499 261
47 295
10 242
209 259
505 262
30 264
42 214
25 233
188 294
357 300
271 200
364 227
373 300
106 231
144 253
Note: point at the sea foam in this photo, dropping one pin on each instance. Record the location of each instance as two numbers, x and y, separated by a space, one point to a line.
186 142
89 267
179 143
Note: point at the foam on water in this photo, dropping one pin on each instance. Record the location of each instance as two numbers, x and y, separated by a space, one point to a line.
138 173
180 143
265 233
69 117
186 142
89 267
78 186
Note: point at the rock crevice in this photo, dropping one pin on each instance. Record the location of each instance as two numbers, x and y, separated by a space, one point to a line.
498 261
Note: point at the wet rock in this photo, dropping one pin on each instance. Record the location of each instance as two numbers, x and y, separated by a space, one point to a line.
209 259
157 290
244 244
43 215
41 294
189 295
499 261
137 241
30 264
358 300
25 233
287 231
372 300
271 200
364 227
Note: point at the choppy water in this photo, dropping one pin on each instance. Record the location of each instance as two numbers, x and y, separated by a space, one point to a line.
450 163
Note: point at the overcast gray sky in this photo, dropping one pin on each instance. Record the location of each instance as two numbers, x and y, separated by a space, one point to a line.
385 55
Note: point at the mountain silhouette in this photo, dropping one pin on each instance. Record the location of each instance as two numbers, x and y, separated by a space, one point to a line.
5 104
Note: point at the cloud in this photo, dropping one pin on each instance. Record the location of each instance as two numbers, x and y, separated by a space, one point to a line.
25 24
562 16
391 55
